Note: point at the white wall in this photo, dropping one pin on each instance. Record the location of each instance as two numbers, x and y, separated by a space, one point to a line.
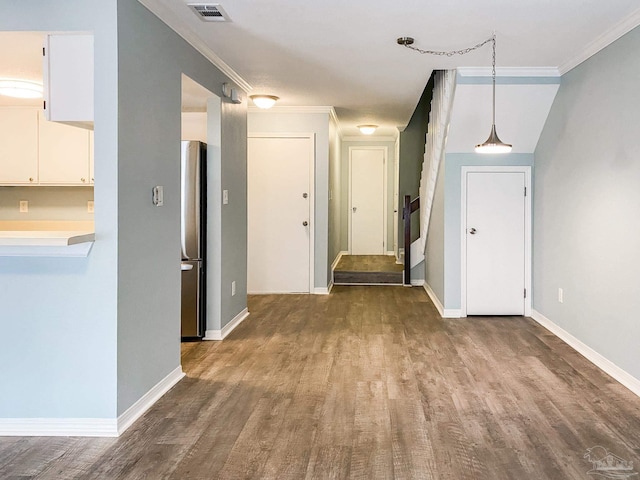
306 121
586 205
335 193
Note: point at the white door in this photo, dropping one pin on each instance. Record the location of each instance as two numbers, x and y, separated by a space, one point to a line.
367 201
495 241
279 214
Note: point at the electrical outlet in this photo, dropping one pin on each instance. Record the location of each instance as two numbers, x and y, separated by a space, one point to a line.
24 206
90 206
233 288
560 295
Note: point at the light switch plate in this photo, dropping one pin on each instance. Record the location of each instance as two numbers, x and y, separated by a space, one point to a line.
225 197
158 195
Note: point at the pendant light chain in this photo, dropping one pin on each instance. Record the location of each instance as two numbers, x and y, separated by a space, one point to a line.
493 76
451 53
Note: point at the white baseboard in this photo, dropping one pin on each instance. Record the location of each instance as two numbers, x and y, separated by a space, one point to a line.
337 259
145 402
417 282
590 354
89 427
58 427
323 290
228 328
391 253
444 312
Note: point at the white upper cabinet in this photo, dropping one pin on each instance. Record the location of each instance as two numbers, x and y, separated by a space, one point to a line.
18 146
68 79
64 154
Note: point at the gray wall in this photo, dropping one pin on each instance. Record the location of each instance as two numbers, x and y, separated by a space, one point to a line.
152 59
586 205
453 214
275 121
335 194
412 144
87 337
46 203
434 255
58 316
344 210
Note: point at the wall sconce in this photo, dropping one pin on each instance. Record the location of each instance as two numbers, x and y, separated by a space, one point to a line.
367 129
264 101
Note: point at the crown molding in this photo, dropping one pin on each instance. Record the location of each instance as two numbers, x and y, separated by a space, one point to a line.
604 40
509 71
160 10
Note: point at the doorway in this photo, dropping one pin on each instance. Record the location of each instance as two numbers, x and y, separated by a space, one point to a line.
496 241
280 213
367 200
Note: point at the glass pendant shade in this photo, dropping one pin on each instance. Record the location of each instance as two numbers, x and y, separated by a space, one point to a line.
493 144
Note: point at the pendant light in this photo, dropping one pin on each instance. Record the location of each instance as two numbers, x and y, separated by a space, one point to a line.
493 144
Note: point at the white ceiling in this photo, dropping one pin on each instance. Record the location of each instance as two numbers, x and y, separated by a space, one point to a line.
21 58
344 53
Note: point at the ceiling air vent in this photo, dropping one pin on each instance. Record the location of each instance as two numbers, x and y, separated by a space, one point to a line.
209 12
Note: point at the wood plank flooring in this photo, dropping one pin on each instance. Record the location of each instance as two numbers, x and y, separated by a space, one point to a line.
365 383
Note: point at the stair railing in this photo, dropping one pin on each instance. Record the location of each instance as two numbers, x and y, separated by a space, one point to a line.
409 207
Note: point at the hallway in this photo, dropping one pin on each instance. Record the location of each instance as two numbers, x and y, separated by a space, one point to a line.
365 383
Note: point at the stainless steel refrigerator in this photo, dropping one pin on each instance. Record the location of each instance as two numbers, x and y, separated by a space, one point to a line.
193 213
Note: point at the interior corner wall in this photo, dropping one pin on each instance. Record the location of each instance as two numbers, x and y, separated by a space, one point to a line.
585 236
335 195
344 189
275 121
412 146
58 316
152 59
453 214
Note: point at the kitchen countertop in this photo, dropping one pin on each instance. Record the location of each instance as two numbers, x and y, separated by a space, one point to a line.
46 238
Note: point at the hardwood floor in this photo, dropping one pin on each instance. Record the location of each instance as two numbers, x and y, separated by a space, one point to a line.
366 383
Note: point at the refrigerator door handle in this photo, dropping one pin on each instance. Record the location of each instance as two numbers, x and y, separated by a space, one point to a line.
186 266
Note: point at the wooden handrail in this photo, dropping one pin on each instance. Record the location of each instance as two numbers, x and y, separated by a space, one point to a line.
409 208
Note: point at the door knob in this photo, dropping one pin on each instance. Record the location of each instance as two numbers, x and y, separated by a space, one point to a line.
305 223
472 231
305 195
354 209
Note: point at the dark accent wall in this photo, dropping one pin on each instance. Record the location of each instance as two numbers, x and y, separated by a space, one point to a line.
412 142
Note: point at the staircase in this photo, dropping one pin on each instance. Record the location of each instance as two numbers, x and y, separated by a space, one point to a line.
439 117
367 270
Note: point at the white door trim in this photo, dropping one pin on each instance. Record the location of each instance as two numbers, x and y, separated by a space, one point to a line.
385 153
527 231
312 198
396 196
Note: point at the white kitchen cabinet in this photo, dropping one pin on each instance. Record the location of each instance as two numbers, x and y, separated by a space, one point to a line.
68 79
63 154
91 147
18 146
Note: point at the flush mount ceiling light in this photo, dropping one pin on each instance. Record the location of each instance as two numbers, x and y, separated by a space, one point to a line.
264 101
20 88
493 144
367 129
